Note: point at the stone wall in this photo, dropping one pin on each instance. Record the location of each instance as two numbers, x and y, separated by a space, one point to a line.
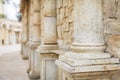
111 9
65 23
111 13
79 29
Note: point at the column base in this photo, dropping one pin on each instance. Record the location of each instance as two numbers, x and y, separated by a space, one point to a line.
28 70
89 75
28 51
33 75
24 57
25 53
24 50
88 66
48 68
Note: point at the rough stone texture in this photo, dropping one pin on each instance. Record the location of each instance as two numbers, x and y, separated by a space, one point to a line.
112 29
88 44
78 24
65 23
111 13
49 9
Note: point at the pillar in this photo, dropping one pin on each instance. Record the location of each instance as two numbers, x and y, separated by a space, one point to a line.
29 33
7 36
34 58
48 69
87 59
13 37
25 32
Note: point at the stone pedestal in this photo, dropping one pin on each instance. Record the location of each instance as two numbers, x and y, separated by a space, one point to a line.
48 68
87 59
89 76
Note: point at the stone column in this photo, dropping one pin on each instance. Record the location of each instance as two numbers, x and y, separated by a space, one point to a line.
87 59
25 32
7 37
35 42
13 37
10 42
48 69
29 33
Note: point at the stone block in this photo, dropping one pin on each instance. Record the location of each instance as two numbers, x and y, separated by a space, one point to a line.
50 8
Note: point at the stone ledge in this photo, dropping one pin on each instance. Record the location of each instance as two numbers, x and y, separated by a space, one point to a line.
79 56
58 52
92 68
48 47
89 62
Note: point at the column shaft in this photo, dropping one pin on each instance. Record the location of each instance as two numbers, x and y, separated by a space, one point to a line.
25 32
35 41
88 26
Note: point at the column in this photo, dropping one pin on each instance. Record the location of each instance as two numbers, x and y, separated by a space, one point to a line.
34 58
29 33
25 32
87 59
7 36
10 42
48 69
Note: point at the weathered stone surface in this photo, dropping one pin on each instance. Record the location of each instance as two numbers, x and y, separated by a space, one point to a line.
88 43
114 46
49 8
87 62
65 23
75 25
50 35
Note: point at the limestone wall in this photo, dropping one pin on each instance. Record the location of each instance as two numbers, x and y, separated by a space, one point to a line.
65 23
111 11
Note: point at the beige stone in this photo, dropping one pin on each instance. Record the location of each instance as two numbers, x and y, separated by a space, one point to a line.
50 30
74 31
49 8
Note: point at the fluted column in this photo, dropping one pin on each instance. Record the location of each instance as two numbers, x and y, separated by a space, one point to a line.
48 40
34 72
87 59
